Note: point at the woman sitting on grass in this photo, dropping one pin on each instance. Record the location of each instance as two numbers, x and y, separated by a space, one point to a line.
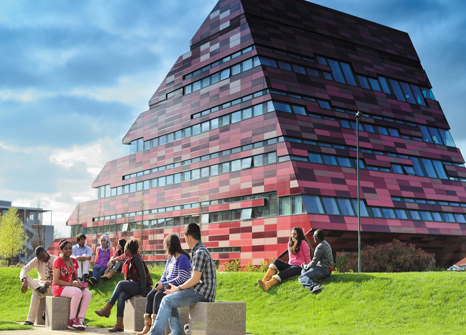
177 271
103 255
136 284
298 253
116 262
66 284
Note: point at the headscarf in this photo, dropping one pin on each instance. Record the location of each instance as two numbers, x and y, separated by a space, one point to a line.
109 243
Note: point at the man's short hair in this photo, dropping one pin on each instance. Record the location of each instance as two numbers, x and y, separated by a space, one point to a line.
80 236
193 230
320 234
39 250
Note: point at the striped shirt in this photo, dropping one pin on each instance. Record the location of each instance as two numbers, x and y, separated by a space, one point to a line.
322 256
203 262
177 270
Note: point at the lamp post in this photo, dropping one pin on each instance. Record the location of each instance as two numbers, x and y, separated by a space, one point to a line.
358 114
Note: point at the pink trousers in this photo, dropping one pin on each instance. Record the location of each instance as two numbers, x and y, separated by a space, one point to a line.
77 296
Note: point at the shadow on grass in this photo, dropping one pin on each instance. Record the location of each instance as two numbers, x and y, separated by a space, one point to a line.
346 278
10 325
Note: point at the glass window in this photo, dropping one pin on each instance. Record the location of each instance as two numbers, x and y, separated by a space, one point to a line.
429 168
321 60
299 69
268 62
258 160
315 158
437 216
312 72
393 132
247 64
362 205
285 206
139 186
417 166
407 91
324 104
377 212
196 173
330 206
313 204
449 217
369 128
336 71
446 137
225 74
132 187
409 170
435 136
247 113
284 65
214 170
375 84
384 84
282 107
271 157
246 163
415 215
460 218
426 216
297 205
346 207
440 170
418 95
382 130
330 160
236 117
327 75
205 82
401 214
425 134
236 69
343 161
188 89
299 110
215 78
364 83
236 165
397 89
348 74
225 167
196 129
246 214
196 85
388 213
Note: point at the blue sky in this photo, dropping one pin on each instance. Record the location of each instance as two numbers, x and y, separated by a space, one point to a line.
75 75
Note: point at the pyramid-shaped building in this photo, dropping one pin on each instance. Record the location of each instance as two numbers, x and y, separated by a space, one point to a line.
253 132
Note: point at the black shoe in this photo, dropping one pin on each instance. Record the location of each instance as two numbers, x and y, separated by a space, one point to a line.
28 323
42 289
92 281
43 316
85 277
316 289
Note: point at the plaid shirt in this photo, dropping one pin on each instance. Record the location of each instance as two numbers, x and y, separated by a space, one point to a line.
322 256
203 262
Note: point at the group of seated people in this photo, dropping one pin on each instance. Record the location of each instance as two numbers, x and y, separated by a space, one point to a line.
185 281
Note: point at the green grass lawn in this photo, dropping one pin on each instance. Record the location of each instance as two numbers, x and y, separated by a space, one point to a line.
372 303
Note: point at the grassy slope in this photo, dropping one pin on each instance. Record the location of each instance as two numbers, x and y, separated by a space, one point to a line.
408 303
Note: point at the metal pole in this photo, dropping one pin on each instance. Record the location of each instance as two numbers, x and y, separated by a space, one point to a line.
358 114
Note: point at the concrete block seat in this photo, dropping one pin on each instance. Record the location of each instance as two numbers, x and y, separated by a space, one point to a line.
57 312
134 314
217 318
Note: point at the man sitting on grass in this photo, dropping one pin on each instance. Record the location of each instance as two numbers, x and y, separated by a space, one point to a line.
40 287
321 265
200 287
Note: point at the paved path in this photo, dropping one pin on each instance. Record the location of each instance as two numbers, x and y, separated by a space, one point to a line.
39 330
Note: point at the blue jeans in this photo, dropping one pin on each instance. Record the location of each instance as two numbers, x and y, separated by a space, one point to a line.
125 290
97 272
309 277
286 270
169 310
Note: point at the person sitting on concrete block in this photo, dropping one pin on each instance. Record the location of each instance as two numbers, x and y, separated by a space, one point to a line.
40 287
201 287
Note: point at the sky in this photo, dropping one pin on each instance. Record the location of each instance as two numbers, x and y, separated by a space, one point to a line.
74 76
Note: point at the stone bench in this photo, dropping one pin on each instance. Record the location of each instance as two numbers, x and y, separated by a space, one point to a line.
134 315
217 318
40 312
57 313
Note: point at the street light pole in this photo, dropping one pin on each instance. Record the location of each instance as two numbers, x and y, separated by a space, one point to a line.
358 114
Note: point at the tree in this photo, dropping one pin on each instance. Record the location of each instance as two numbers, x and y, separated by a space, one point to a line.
12 235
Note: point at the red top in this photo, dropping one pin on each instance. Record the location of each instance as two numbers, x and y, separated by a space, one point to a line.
66 274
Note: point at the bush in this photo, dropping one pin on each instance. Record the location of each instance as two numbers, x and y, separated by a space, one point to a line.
391 257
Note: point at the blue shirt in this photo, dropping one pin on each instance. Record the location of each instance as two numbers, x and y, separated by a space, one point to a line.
84 251
176 270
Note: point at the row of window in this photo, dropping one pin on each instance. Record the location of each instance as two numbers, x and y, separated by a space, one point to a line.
222 75
348 207
430 134
206 157
221 61
224 120
429 202
270 197
342 73
422 167
208 171
230 103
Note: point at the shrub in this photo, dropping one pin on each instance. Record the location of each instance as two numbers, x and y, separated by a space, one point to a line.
233 266
391 257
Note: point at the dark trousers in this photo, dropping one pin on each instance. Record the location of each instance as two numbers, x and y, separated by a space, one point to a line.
125 290
154 298
286 270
